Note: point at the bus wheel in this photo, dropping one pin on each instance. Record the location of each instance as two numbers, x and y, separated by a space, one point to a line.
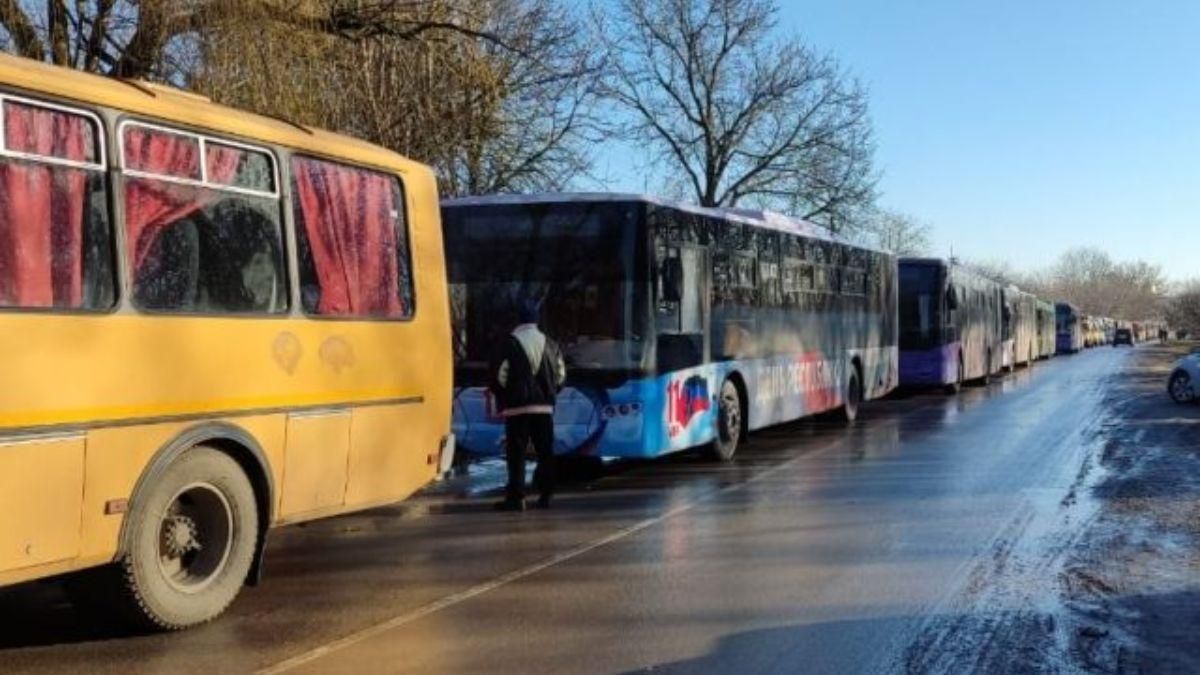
729 423
191 542
854 396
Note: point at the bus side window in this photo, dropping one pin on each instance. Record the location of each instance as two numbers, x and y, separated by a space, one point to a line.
353 241
203 222
56 244
667 310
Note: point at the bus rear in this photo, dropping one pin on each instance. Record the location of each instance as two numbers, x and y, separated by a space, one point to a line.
584 262
928 350
1068 328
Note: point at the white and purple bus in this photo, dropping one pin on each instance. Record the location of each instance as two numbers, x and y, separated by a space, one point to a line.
952 324
681 326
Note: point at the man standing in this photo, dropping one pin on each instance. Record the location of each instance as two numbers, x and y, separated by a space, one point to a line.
525 383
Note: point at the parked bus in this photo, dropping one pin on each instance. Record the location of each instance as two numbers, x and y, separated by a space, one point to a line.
950 324
1068 328
211 323
1046 329
1019 330
681 326
1093 331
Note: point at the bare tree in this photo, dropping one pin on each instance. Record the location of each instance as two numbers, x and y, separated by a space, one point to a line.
897 232
1092 280
502 102
745 115
125 38
1183 307
1004 272
134 38
497 95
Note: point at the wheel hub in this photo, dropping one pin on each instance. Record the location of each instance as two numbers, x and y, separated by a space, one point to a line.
180 536
730 418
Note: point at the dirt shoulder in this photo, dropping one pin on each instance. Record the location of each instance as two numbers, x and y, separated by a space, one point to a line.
1133 579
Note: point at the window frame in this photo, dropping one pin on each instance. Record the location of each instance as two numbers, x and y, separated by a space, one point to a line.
202 140
281 199
101 139
101 167
297 234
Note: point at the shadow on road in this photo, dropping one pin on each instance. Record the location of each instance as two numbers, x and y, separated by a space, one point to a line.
39 614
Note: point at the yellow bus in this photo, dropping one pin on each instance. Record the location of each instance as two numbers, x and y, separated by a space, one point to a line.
211 323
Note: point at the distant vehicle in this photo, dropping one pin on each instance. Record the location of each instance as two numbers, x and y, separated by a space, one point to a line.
1093 331
1068 328
1123 336
211 323
950 324
682 326
1181 384
1046 335
1020 329
1110 329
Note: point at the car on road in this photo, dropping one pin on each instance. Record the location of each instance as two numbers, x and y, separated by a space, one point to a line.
1181 385
1123 336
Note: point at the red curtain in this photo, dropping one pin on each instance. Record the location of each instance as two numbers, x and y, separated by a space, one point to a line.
349 216
42 208
151 205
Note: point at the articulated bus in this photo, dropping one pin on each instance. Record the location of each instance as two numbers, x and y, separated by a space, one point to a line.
1046 329
681 326
211 323
1019 333
951 324
1068 328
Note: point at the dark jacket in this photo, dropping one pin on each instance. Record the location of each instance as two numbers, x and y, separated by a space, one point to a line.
521 387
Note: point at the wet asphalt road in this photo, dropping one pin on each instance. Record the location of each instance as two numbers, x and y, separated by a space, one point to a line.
820 549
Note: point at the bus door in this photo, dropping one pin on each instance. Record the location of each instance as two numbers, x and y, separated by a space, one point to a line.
683 338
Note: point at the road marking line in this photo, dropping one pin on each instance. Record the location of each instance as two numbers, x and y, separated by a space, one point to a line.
316 653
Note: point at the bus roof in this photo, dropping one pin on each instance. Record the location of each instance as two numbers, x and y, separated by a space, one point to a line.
186 108
756 218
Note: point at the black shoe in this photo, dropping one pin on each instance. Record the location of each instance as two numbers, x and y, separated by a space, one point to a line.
543 502
510 505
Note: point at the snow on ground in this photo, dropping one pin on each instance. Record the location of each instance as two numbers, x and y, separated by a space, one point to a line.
1107 577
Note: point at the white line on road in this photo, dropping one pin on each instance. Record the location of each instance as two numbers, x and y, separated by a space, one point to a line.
316 653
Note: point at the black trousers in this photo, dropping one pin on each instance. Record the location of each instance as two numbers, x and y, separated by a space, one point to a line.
521 430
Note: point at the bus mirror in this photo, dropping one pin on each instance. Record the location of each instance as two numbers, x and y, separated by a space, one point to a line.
672 279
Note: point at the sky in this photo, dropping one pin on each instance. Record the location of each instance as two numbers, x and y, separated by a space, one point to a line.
1020 129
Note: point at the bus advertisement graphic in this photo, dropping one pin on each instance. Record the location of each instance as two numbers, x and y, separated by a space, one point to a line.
686 400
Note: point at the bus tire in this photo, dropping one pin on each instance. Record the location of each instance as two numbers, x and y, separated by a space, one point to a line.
191 543
853 396
730 412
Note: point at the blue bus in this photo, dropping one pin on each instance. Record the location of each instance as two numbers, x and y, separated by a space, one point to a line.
681 326
952 324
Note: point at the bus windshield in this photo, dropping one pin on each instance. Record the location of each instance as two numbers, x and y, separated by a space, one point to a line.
920 305
577 259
